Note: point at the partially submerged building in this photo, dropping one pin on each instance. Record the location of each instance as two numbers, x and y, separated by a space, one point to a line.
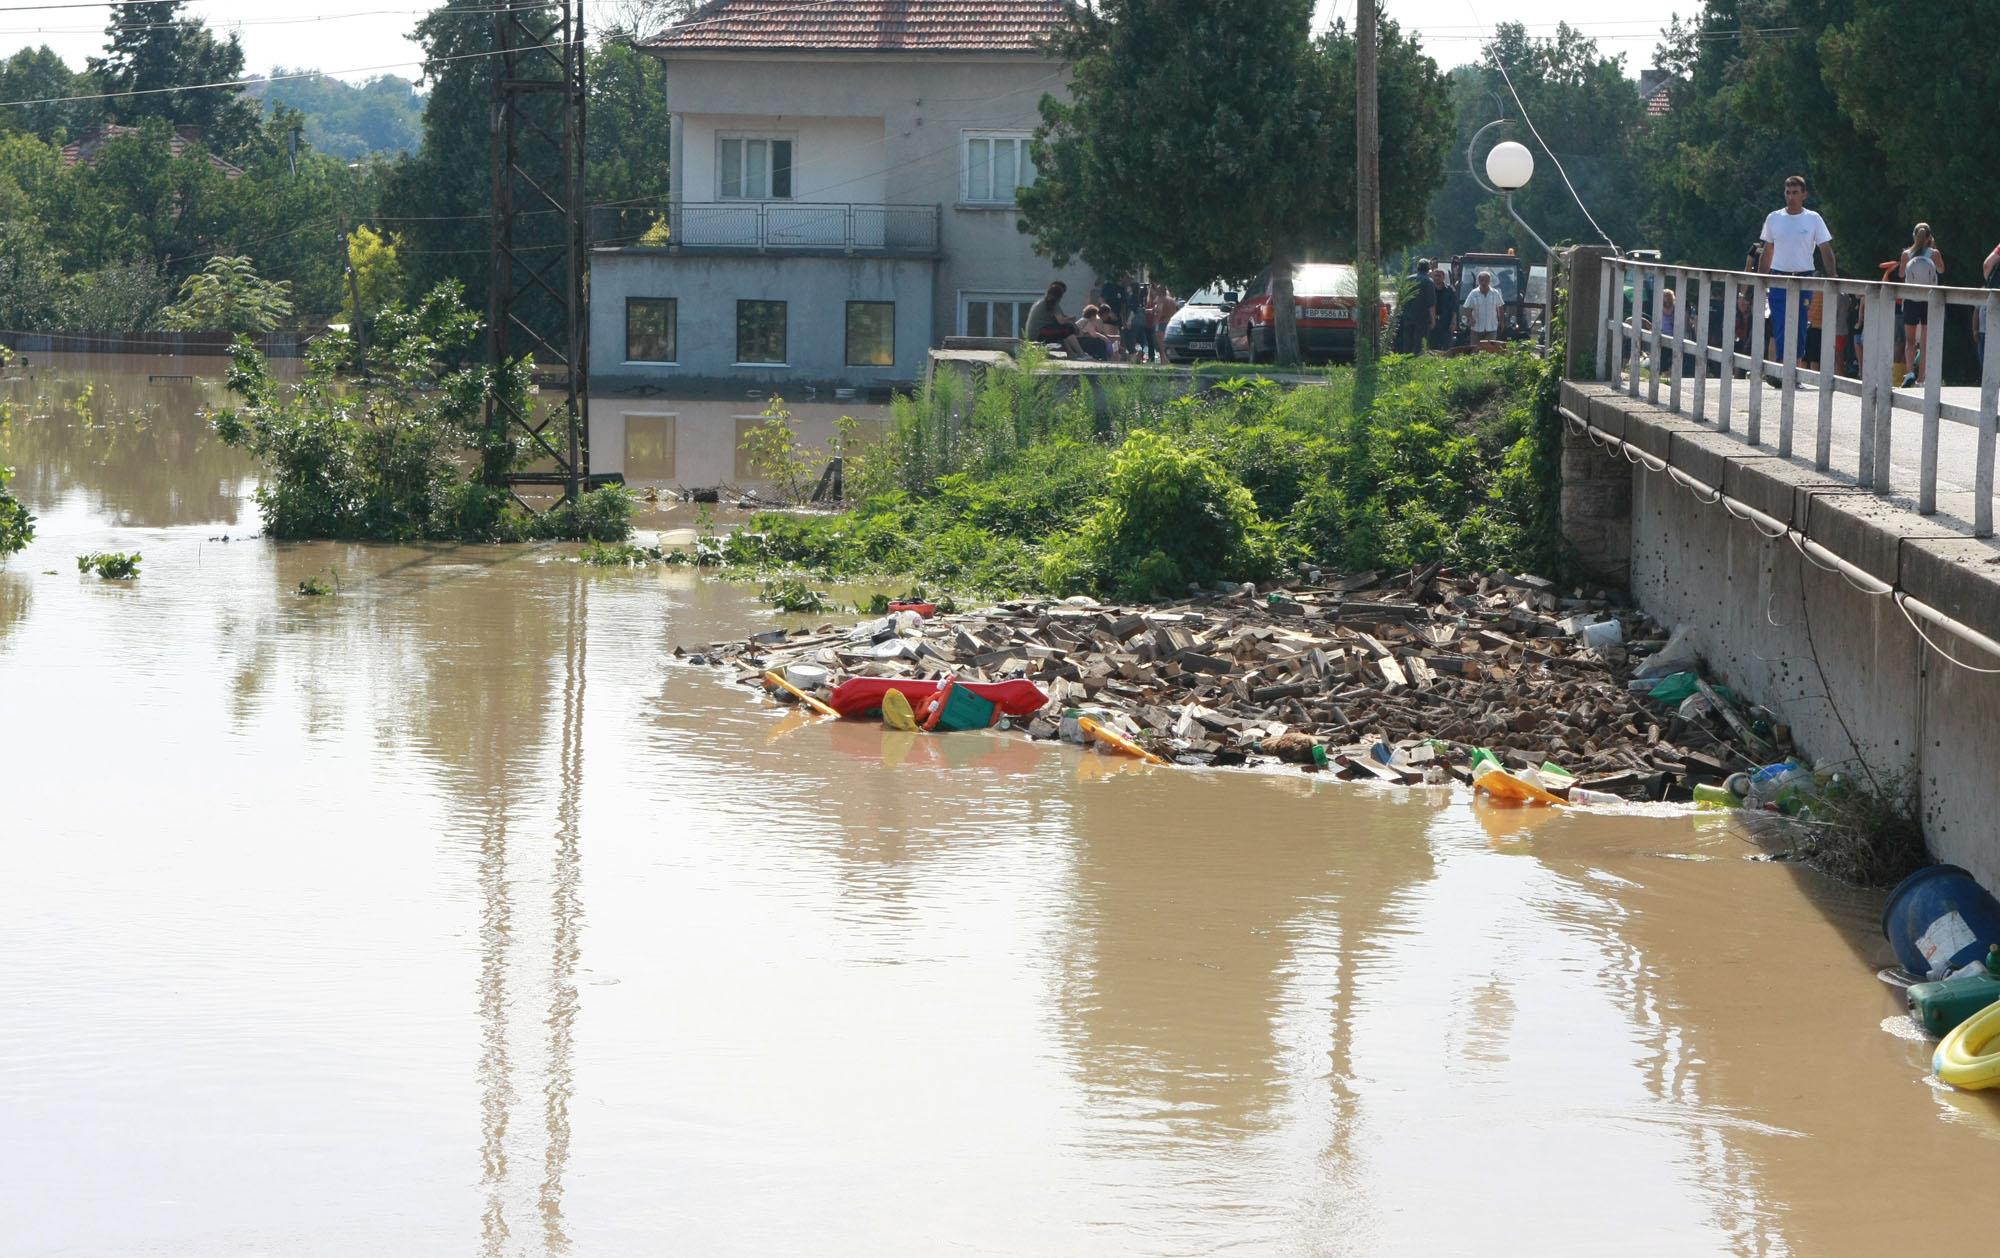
843 198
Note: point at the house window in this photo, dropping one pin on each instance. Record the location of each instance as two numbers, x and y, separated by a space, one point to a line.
994 314
649 447
754 168
760 332
650 327
996 163
871 333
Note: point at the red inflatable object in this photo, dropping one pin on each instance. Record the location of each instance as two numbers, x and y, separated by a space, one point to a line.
924 611
862 696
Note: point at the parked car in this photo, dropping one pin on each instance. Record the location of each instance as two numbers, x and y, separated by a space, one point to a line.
1324 294
1191 333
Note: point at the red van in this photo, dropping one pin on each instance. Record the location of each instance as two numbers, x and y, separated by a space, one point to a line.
1325 295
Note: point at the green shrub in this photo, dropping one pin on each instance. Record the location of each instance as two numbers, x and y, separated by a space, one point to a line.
1172 514
793 595
406 456
17 527
619 555
111 565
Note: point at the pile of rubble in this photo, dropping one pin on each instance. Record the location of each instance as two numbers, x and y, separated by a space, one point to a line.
1391 679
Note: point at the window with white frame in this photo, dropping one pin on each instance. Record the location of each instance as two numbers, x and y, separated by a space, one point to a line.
996 164
994 314
753 167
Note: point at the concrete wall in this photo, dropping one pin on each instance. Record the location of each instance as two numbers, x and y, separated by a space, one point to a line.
706 289
920 107
1843 667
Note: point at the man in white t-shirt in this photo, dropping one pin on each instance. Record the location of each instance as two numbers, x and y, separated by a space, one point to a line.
1480 309
1791 236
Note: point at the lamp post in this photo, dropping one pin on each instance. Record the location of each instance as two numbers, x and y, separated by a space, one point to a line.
1509 166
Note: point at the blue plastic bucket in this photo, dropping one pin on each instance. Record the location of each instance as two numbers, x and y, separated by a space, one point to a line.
1939 919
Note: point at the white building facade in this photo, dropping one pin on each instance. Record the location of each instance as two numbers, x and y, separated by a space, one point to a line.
843 198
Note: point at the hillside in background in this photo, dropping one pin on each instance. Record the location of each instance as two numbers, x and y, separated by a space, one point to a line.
350 120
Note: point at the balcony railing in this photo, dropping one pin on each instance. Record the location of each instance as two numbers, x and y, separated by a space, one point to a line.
775 227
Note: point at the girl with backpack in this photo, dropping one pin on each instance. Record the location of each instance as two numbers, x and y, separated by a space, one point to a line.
1922 265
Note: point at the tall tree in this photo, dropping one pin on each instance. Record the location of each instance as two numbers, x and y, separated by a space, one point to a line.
38 74
151 49
1234 145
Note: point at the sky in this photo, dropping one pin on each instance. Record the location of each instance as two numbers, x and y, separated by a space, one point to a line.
358 38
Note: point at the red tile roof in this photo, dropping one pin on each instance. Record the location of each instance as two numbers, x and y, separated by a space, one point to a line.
83 149
866 26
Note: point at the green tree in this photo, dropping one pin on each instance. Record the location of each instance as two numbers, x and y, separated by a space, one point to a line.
228 296
38 74
630 125
377 274
150 48
348 120
1238 111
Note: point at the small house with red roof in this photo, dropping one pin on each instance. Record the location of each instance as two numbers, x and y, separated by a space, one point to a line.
843 179
82 151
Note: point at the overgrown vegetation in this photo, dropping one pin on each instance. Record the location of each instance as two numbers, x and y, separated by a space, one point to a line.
313 587
111 565
1013 486
793 595
17 526
619 555
407 457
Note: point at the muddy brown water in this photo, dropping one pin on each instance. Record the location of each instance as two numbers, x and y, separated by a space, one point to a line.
449 916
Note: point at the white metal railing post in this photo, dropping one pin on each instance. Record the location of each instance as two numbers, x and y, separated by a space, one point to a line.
1933 383
1679 348
1989 415
1630 329
1698 319
1604 315
1829 371
1788 360
1885 411
1760 302
1659 284
1878 322
1725 384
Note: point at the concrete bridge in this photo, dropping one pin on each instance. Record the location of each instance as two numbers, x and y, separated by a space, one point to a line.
1829 538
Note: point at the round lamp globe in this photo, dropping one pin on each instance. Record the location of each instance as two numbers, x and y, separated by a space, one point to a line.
1510 165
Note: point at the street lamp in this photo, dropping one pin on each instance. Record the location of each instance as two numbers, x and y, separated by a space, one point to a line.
1509 165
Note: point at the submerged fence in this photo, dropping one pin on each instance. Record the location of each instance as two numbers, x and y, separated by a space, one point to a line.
1672 368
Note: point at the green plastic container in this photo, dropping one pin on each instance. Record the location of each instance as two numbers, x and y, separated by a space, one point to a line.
1706 796
1942 1006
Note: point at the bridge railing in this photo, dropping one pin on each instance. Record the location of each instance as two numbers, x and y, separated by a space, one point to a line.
1672 368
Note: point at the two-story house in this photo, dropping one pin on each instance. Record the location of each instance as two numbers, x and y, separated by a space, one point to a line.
843 181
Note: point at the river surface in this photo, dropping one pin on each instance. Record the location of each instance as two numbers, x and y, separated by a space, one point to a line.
448 915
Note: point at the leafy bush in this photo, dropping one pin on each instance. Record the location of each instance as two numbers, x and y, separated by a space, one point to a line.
793 595
111 565
17 527
1172 514
407 456
776 455
228 295
619 555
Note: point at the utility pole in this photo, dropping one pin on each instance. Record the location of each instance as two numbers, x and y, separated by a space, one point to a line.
355 328
1367 199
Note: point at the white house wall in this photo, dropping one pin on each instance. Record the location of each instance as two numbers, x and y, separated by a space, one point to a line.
706 288
919 109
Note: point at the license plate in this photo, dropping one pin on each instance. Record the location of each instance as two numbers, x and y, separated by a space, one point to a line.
1201 344
1329 312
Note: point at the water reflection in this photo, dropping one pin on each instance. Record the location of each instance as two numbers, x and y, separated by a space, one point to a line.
106 426
670 443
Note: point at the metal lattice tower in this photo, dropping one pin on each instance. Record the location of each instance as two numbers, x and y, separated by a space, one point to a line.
539 254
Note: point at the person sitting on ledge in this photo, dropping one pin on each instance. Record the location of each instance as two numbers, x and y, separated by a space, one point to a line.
1047 325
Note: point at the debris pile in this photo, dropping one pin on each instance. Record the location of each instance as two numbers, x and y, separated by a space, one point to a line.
1400 679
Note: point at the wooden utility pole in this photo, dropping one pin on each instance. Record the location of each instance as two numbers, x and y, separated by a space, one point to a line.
1367 187
355 328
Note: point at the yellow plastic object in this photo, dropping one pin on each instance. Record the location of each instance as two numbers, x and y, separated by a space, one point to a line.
772 679
1969 1057
1117 742
896 711
1503 785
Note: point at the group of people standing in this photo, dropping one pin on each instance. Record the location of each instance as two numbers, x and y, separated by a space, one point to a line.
1436 316
1125 324
1792 241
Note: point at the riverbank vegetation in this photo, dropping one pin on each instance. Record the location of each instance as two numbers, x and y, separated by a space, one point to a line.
1017 485
407 455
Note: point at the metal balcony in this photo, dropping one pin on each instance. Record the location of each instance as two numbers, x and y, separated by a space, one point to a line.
775 227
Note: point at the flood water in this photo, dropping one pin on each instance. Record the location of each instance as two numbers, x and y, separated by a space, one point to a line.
448 915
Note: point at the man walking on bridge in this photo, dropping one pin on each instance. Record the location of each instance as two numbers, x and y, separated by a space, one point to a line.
1790 237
